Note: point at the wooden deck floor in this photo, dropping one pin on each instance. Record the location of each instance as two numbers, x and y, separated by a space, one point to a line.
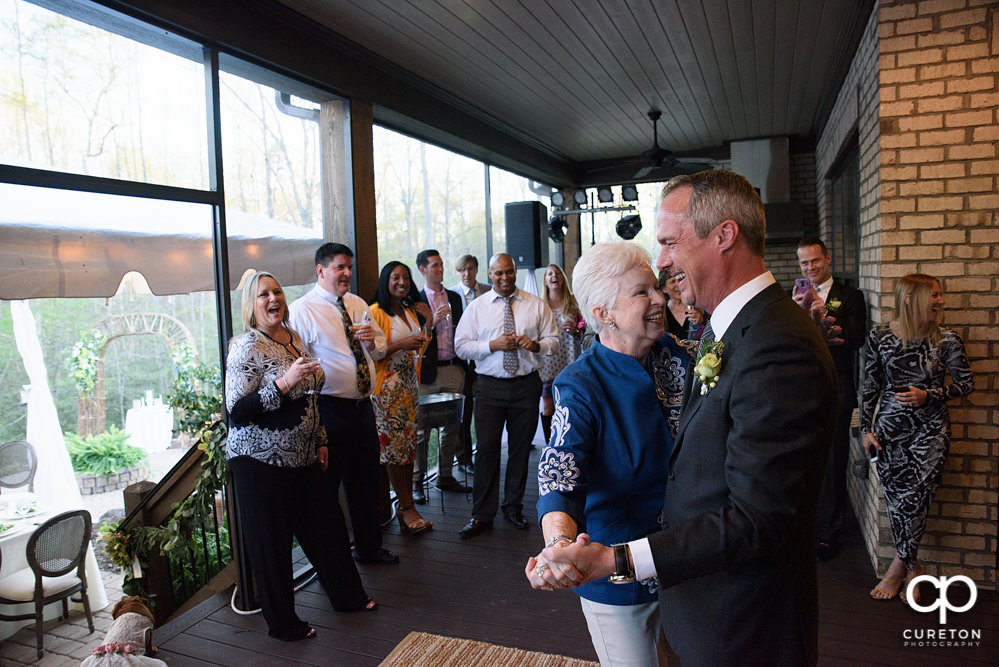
476 589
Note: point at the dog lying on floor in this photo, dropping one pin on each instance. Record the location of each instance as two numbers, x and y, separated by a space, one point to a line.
129 641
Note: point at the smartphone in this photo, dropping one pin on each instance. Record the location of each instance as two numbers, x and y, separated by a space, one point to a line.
801 285
900 389
874 454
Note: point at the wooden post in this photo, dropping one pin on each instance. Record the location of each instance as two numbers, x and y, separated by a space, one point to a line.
348 178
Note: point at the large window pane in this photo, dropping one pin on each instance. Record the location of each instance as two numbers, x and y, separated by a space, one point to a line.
138 271
273 187
427 197
79 99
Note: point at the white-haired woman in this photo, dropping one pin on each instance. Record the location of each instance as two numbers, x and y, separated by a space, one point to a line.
277 452
904 415
604 472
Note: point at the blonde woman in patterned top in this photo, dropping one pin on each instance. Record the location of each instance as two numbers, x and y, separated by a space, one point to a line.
277 454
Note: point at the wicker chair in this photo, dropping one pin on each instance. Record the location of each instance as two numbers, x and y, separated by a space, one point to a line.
18 463
56 554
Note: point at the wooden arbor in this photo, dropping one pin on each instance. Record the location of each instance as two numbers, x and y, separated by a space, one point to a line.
90 417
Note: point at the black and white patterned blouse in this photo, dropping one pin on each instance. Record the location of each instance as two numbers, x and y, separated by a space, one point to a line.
283 431
920 364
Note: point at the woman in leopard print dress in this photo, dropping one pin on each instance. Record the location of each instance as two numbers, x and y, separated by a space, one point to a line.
904 415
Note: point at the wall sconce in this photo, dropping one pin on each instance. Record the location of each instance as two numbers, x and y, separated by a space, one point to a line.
628 226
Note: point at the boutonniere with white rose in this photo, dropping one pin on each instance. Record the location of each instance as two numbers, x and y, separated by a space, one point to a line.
708 366
833 305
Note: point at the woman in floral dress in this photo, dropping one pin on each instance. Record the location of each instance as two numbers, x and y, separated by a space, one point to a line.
397 388
904 416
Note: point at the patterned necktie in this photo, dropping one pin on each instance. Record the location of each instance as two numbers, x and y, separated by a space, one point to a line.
363 372
510 361
708 336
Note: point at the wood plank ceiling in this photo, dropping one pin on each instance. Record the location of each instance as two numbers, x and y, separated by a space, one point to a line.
576 78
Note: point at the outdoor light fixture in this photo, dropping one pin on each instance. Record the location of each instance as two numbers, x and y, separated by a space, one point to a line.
629 226
558 199
604 195
579 197
629 193
556 228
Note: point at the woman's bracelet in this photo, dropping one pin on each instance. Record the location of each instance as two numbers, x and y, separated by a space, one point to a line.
558 538
287 387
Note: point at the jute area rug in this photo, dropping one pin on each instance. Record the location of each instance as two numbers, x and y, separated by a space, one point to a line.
421 648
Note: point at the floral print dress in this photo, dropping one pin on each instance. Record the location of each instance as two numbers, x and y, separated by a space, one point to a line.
397 403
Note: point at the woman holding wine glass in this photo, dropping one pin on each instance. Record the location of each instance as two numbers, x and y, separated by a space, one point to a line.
397 388
277 452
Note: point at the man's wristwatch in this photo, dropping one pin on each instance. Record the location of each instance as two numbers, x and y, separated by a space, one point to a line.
624 573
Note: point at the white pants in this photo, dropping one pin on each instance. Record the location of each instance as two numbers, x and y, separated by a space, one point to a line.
625 635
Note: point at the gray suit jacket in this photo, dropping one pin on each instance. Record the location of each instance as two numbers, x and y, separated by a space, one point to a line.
736 556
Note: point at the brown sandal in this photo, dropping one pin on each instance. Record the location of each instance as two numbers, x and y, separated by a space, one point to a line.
887 588
421 525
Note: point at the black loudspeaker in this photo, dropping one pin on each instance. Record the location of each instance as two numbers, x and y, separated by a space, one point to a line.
527 233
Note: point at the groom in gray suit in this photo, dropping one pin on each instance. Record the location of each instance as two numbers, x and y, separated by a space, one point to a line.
736 556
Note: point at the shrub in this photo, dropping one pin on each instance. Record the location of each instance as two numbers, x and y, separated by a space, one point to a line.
103 454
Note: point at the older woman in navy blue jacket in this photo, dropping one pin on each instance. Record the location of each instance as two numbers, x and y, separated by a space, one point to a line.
605 470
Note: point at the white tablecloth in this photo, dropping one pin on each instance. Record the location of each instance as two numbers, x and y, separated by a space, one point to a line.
12 544
150 427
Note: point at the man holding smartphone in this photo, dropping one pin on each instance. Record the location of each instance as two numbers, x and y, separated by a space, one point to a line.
846 304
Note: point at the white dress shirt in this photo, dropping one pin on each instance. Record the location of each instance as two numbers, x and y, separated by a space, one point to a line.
468 294
823 289
721 318
483 321
317 319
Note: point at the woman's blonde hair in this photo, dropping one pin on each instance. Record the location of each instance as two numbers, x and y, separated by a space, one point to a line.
913 308
569 306
250 298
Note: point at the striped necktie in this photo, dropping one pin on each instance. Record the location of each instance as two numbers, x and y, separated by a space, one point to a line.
363 372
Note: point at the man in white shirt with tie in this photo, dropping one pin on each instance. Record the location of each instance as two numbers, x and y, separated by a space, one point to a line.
504 332
340 332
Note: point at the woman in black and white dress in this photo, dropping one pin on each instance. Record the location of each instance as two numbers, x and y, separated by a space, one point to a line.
904 415
277 452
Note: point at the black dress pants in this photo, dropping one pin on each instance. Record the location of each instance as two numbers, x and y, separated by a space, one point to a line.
498 402
274 504
353 447
833 500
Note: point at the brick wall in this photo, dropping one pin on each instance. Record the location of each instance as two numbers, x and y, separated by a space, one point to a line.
854 120
929 198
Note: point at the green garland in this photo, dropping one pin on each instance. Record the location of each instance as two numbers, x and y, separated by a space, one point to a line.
125 544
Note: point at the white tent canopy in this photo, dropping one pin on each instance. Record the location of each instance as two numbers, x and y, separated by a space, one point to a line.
56 243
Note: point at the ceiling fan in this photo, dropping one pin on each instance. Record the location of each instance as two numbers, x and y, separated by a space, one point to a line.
658 157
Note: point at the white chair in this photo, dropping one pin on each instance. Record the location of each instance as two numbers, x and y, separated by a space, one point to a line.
56 554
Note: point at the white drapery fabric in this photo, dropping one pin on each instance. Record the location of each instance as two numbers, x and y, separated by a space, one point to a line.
55 483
